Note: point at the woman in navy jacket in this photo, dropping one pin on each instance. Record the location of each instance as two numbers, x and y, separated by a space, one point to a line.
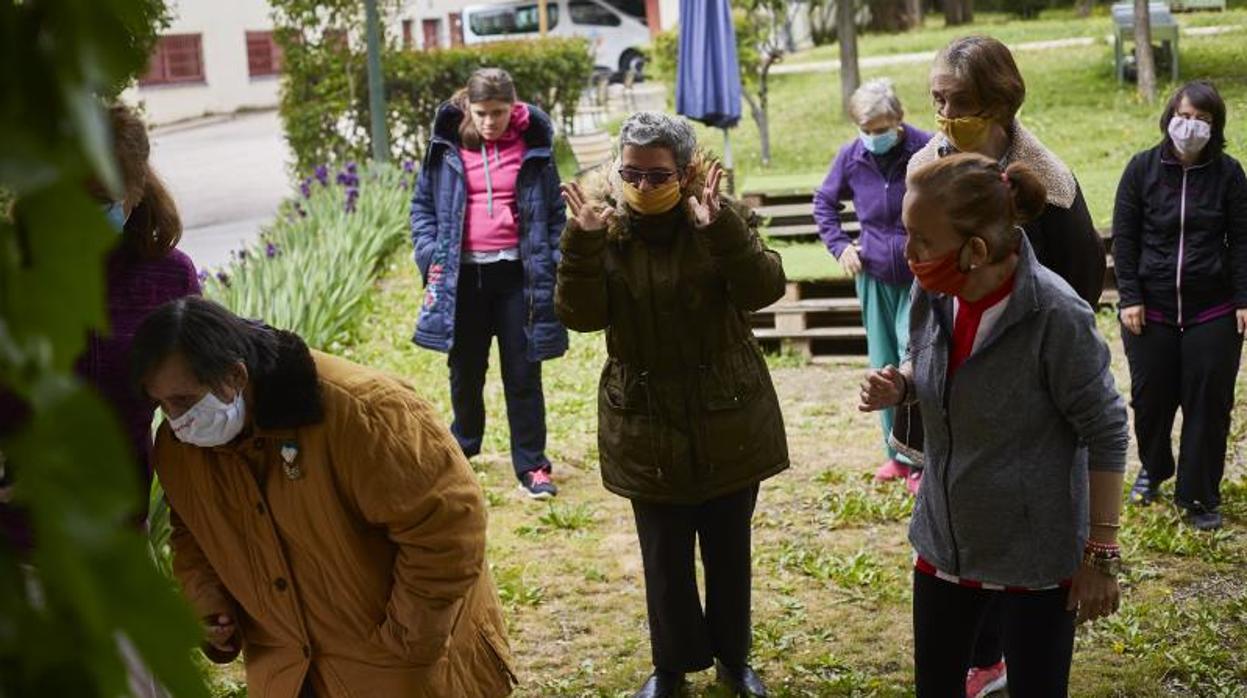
1180 249
485 223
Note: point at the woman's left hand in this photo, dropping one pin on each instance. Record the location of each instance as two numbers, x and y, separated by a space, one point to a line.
1093 594
1241 314
706 210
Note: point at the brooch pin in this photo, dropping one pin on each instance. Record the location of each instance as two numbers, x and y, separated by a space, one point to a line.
289 452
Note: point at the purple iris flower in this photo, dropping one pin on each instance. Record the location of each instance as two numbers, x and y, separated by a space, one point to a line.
271 251
352 195
409 166
305 188
222 277
322 174
350 167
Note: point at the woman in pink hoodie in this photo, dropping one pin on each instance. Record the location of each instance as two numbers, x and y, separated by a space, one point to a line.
485 224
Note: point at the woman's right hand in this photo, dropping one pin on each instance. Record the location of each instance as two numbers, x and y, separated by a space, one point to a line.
1134 319
883 388
850 261
220 633
585 215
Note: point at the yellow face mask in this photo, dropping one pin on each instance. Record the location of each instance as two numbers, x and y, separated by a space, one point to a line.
966 133
661 199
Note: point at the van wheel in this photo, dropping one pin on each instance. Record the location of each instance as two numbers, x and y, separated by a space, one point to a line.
633 60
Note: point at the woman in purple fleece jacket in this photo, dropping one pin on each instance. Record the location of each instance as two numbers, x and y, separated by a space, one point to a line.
870 170
143 272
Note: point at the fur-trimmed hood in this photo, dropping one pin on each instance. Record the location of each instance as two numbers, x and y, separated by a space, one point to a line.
1024 148
603 188
536 129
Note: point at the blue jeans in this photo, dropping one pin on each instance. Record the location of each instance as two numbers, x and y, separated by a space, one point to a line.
491 304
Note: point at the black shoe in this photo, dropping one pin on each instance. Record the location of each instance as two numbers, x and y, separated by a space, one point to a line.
537 484
742 682
1204 520
662 684
1144 492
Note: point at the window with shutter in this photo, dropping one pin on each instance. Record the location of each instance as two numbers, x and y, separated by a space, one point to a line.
263 54
176 58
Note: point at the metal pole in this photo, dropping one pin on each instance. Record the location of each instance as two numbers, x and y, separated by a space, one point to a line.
376 99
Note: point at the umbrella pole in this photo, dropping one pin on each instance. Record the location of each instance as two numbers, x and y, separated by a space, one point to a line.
727 162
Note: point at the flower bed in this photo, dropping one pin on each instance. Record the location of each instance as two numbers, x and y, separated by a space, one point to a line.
313 266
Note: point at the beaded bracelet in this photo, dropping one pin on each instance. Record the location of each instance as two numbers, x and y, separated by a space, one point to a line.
1102 549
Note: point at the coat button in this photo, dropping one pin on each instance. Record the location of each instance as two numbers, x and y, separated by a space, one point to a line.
281 584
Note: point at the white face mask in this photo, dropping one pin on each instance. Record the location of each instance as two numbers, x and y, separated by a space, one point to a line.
210 422
1189 136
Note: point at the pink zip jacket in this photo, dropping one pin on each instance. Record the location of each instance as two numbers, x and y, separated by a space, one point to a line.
491 220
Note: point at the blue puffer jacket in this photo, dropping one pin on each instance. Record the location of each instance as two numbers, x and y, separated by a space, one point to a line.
437 213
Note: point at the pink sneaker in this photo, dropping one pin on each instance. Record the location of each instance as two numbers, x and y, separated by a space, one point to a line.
891 470
913 481
982 682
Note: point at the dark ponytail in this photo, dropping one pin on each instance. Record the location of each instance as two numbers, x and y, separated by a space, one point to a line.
1029 194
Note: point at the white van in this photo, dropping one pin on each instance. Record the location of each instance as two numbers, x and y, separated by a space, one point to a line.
615 28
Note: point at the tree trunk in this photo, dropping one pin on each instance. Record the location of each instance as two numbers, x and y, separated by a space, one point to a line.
764 133
916 11
958 12
846 33
1145 60
894 15
1084 7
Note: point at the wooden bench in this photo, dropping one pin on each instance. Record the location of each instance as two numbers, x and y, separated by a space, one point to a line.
591 150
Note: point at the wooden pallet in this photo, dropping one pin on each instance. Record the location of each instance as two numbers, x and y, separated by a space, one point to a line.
813 318
822 318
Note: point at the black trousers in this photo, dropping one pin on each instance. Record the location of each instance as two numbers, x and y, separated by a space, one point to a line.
1195 369
683 637
1037 634
490 303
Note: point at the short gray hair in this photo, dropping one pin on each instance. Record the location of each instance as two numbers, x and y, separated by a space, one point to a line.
653 129
874 99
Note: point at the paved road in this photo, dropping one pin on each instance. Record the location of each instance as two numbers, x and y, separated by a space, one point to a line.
228 176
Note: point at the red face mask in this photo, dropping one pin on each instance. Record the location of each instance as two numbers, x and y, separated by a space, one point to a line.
941 275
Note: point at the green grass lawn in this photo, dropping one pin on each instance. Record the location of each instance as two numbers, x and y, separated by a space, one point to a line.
1074 105
1052 24
831 561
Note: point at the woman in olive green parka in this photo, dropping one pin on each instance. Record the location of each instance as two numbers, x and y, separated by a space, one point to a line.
688 420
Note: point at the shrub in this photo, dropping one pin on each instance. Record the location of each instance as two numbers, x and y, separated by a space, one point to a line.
324 96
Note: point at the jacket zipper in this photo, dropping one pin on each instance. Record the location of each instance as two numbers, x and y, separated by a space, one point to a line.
948 462
1181 243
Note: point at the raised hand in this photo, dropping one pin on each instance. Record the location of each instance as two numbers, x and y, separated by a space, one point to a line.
707 209
585 215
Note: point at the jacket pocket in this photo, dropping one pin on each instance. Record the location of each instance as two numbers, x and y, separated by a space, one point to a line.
624 388
740 420
728 383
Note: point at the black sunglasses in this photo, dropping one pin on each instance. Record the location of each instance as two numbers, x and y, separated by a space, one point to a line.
654 177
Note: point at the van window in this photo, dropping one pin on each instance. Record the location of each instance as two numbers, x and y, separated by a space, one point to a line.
592 14
522 19
636 8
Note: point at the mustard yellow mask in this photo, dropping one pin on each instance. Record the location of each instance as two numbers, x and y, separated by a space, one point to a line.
966 133
660 199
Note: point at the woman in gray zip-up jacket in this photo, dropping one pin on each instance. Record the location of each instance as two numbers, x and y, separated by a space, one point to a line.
1025 433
